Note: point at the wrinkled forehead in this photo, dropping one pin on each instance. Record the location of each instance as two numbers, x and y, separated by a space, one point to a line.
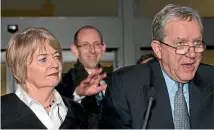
186 19
181 29
89 34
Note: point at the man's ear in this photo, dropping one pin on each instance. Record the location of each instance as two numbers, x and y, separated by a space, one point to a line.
103 48
156 48
74 50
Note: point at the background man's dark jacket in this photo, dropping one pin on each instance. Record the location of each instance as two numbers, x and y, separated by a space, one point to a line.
66 88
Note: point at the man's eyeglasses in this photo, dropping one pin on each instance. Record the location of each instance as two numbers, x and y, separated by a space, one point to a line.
87 46
183 49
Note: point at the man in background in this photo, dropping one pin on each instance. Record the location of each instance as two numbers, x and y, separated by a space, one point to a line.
88 47
145 58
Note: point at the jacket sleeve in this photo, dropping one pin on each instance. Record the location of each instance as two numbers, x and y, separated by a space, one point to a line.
116 113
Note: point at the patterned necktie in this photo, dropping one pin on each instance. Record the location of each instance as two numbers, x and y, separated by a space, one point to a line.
181 115
99 96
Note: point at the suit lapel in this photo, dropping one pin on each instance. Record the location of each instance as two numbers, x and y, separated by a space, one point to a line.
194 102
70 121
148 92
73 119
25 115
200 93
161 115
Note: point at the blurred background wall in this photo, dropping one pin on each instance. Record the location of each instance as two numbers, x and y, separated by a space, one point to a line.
124 24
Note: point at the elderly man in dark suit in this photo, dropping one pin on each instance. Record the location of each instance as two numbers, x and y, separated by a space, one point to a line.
173 91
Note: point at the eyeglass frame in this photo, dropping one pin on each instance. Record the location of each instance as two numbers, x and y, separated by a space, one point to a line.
90 45
203 43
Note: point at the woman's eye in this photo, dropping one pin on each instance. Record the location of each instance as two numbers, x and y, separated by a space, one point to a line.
57 57
42 59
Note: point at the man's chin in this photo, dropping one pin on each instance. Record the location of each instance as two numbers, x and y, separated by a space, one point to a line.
186 77
92 66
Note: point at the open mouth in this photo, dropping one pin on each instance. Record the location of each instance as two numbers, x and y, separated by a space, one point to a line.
188 66
54 74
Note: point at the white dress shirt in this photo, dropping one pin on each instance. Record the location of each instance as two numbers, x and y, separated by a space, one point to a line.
51 120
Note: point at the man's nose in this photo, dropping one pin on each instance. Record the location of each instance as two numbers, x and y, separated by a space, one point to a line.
191 53
92 48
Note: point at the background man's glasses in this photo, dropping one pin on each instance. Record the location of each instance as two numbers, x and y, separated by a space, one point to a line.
183 49
88 46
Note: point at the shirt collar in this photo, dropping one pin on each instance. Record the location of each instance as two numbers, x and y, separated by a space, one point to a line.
21 93
172 85
58 98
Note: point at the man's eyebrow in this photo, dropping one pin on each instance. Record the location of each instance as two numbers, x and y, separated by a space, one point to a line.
89 42
83 42
200 37
179 38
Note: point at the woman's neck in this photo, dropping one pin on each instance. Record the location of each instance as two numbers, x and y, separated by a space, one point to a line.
42 95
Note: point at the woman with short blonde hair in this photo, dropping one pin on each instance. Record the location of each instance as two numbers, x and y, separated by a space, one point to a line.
34 56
